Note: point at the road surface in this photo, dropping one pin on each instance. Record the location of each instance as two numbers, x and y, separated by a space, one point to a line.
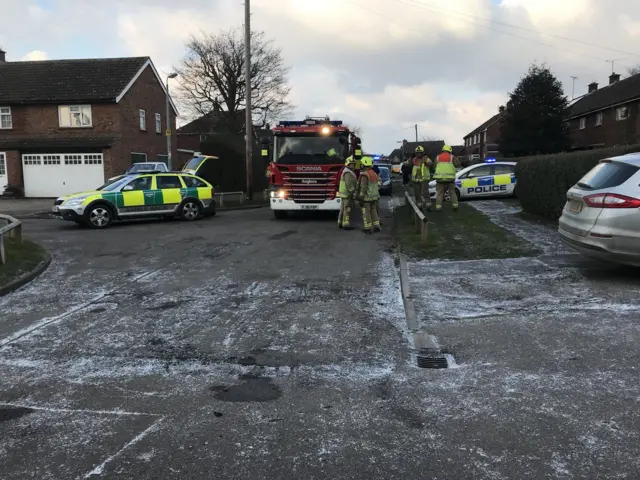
244 347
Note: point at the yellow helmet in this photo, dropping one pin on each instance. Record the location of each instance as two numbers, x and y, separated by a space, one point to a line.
366 162
419 149
446 148
350 160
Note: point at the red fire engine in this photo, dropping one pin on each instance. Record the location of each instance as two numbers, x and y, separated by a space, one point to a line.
305 163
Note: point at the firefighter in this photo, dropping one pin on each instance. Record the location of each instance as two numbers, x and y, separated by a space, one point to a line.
420 176
347 192
445 177
368 194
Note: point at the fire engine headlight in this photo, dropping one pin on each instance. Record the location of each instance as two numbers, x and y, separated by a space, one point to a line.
281 193
325 130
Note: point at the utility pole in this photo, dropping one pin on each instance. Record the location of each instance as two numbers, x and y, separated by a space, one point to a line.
416 133
168 131
248 121
573 87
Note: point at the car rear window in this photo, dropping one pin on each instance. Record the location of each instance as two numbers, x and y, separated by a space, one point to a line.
193 182
607 175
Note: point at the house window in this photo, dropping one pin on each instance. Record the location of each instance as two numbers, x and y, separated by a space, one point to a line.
143 120
622 113
5 117
75 116
158 123
583 123
599 118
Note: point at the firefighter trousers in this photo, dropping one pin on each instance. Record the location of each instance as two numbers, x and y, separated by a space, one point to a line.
421 193
370 215
440 189
346 207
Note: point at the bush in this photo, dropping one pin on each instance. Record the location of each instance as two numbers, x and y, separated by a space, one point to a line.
543 181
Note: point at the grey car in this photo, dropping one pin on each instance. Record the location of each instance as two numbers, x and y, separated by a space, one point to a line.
601 217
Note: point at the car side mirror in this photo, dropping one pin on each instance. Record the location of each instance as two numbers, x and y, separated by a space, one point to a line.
127 188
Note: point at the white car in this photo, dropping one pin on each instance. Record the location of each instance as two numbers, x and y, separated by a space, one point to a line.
142 167
489 179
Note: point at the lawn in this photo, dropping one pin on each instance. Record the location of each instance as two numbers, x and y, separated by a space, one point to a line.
463 235
21 259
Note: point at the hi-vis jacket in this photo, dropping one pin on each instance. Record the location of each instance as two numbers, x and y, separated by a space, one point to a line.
368 190
348 183
420 171
445 167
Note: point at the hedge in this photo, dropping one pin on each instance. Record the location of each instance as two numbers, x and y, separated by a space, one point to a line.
543 181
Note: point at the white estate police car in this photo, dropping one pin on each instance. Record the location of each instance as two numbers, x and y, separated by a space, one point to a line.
489 179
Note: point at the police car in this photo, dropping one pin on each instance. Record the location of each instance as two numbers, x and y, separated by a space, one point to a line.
488 179
138 196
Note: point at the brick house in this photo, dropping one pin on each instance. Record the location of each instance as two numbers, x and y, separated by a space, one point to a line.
67 125
485 139
607 116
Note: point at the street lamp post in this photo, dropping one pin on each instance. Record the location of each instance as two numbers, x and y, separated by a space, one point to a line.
168 132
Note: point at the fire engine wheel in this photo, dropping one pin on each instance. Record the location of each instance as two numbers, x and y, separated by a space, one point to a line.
280 214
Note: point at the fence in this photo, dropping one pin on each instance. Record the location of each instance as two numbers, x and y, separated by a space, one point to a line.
13 229
221 196
421 222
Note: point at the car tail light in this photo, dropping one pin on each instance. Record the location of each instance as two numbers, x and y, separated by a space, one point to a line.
611 200
213 192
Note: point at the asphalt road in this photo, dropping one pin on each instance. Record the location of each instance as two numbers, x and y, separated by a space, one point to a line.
244 347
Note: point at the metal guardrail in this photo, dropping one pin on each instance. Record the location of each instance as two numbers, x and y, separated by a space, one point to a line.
221 195
421 222
13 229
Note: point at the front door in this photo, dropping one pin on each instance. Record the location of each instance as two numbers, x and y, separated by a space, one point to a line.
137 197
4 180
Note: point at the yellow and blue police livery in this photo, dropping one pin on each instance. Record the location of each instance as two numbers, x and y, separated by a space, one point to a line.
171 194
488 179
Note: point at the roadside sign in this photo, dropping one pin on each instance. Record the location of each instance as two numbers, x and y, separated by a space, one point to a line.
167 132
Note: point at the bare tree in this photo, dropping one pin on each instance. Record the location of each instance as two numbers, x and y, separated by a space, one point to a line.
633 70
213 80
357 131
430 138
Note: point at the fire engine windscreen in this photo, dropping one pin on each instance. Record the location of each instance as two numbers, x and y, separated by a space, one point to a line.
314 150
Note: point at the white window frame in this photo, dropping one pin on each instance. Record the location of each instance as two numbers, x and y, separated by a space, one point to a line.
599 118
583 123
619 111
3 164
158 123
6 112
68 115
142 117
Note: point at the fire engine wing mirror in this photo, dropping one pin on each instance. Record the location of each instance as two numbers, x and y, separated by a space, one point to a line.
342 140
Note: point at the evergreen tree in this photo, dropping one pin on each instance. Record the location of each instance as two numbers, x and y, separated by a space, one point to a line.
535 121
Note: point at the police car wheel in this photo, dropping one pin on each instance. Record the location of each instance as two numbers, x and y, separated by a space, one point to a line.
99 216
191 210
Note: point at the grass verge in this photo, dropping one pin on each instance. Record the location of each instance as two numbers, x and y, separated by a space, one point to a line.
463 235
21 259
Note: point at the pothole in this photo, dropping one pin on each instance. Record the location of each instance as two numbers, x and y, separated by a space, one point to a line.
13 413
252 389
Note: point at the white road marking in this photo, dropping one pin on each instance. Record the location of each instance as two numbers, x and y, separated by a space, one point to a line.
99 470
51 320
81 410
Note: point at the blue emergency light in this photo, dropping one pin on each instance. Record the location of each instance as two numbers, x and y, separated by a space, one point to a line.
489 160
377 157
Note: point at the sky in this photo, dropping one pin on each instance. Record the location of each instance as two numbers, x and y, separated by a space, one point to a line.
381 65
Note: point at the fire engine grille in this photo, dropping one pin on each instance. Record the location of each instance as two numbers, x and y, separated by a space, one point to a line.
310 187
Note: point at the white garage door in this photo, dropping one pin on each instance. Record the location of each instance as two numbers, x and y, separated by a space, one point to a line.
52 175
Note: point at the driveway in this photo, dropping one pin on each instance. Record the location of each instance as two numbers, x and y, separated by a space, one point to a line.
241 346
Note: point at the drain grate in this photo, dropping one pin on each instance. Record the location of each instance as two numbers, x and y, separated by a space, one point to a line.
432 360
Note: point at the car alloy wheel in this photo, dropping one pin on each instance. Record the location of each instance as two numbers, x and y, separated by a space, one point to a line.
190 211
99 217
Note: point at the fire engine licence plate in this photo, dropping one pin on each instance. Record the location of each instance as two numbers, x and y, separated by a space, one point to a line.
309 207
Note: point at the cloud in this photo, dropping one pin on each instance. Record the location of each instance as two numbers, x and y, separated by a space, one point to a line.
383 65
35 55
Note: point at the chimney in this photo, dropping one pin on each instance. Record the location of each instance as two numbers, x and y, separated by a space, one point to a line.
3 56
501 109
613 78
593 86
